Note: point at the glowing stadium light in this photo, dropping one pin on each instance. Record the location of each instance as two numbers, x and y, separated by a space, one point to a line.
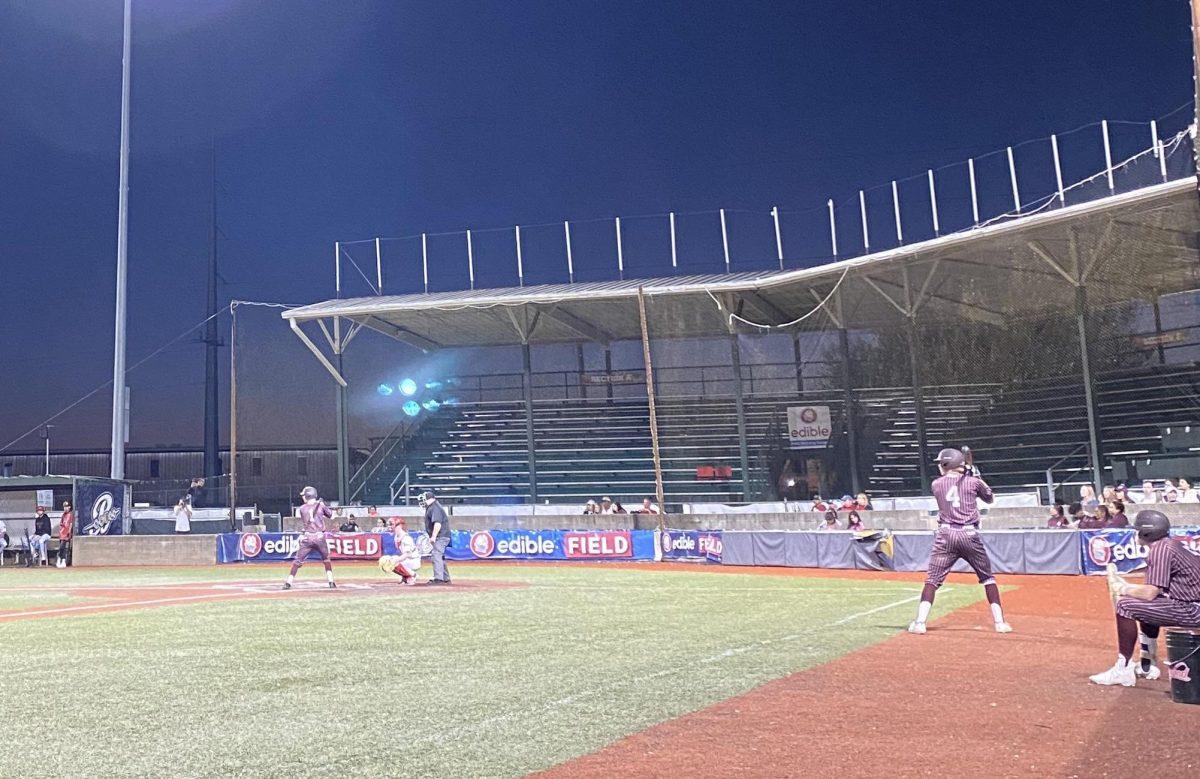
433 385
408 387
412 408
384 389
431 405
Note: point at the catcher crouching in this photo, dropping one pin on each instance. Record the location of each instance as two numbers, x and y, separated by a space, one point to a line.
407 561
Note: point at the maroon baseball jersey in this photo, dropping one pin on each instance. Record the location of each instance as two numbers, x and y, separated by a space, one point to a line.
312 518
1174 570
956 496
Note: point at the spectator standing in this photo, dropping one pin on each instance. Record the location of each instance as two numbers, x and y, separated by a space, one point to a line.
3 540
40 537
1057 517
854 521
1087 497
195 490
1118 518
830 522
183 516
66 532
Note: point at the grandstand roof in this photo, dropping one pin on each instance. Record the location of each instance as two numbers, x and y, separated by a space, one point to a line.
1139 243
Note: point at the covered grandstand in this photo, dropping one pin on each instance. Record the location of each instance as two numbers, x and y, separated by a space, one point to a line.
1060 344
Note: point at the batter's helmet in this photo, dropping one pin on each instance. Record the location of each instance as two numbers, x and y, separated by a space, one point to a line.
309 493
1151 525
950 459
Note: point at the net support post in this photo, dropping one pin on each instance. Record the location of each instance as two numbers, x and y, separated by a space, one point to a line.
725 239
735 353
914 361
832 228
974 191
1089 394
659 492
1062 198
848 401
1108 166
674 255
527 390
343 436
778 236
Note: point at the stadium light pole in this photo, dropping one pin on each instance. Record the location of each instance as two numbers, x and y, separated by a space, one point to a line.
119 410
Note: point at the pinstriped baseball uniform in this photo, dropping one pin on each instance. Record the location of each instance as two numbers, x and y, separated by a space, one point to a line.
1176 572
957 535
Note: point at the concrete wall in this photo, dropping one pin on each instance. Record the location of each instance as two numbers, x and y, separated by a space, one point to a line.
144 550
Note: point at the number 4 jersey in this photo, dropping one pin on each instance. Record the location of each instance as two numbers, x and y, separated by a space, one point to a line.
957 496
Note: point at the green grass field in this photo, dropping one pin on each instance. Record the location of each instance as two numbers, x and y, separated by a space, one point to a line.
449 683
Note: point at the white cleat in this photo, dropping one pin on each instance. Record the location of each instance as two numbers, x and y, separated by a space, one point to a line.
1003 627
917 628
1150 675
1118 674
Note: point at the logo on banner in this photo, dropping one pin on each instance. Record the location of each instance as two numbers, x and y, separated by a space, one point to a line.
666 542
103 514
809 427
357 545
1099 550
1102 550
710 545
482 544
614 543
251 545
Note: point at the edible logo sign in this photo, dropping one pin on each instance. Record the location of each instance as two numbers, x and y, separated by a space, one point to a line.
809 427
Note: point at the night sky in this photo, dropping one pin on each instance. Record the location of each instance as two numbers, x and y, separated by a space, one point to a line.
347 120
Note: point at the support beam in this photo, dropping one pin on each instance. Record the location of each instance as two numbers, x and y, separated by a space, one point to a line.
765 308
401 334
608 387
735 353
914 361
848 414
343 438
527 387
798 359
312 347
1089 394
1044 255
579 325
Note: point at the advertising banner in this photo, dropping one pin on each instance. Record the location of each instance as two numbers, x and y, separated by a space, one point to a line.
100 508
690 545
552 545
1120 546
808 427
278 547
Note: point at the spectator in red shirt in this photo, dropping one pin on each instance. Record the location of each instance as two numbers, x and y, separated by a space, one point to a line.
1118 518
819 504
66 531
1057 517
848 503
862 502
1099 520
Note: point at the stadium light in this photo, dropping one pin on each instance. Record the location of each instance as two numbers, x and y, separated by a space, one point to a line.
408 388
385 390
412 408
431 405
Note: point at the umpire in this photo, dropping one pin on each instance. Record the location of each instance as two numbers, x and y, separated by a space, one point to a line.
437 526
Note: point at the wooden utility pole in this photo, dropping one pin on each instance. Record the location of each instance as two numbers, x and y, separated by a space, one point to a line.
233 416
658 480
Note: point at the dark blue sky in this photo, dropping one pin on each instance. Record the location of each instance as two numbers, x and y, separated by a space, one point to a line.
354 119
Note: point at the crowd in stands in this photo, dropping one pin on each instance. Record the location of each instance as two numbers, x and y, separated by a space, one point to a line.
608 506
853 505
1108 509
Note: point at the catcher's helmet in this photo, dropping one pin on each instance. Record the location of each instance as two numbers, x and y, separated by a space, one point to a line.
309 493
1151 525
425 498
950 459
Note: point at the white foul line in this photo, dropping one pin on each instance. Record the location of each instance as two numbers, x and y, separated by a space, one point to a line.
876 610
119 605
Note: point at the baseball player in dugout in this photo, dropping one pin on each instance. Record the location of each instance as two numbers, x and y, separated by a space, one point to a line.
957 492
1170 597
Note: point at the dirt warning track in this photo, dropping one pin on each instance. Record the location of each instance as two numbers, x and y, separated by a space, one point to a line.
960 701
101 599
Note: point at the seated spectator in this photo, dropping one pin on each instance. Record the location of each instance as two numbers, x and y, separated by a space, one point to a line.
606 506
349 526
862 502
380 526
1118 518
830 522
1057 517
848 503
618 508
1171 495
1108 495
1186 493
819 504
1149 494
1097 521
854 521
40 537
1077 514
1087 497
3 540
1122 492
647 508
590 507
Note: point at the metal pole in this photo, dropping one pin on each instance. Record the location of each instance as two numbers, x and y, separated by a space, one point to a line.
46 429
1162 161
233 435
117 466
620 251
1162 352
735 353
896 210
832 228
570 260
914 361
654 452
862 210
337 268
848 404
1088 392
798 359
1107 155
520 263
778 236
933 204
343 435
1154 136
974 193
425 261
1062 199
527 386
608 387
674 257
470 260
725 240
212 398
379 265
1012 175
